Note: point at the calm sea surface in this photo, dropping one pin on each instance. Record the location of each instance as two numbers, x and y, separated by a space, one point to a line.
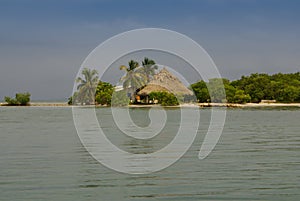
257 158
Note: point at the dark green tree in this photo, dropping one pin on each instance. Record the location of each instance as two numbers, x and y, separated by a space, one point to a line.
241 97
164 98
104 93
201 91
230 92
21 99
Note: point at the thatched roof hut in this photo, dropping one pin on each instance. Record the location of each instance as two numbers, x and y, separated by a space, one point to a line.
165 81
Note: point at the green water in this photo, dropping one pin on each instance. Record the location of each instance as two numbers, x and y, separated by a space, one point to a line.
257 158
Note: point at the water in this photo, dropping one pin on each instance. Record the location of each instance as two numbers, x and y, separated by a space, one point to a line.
257 158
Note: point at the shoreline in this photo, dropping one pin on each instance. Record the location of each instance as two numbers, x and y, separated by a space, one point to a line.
248 105
201 105
40 104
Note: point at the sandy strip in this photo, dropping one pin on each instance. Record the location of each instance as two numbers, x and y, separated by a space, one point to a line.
233 105
271 105
42 104
249 105
49 104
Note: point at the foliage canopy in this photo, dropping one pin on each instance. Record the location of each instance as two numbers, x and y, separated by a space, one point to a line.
20 99
252 88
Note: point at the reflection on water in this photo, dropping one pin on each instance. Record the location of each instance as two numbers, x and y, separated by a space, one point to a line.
257 158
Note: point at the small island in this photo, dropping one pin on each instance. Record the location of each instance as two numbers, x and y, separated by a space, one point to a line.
21 99
145 85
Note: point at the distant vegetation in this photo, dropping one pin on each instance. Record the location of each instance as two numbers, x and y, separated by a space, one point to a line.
92 91
20 99
254 88
283 88
104 93
164 98
86 87
137 76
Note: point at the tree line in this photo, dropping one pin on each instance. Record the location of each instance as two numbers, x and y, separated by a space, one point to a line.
254 88
22 99
90 90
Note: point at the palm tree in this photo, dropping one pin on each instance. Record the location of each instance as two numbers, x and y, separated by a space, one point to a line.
149 68
134 78
133 65
87 86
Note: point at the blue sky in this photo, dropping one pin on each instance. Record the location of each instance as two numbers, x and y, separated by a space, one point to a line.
44 42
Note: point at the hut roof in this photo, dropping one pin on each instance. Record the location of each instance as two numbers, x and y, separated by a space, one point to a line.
165 81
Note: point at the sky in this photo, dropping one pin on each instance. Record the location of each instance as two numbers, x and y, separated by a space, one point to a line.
44 42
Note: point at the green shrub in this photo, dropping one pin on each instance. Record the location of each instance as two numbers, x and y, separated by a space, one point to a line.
155 95
70 100
241 97
201 91
103 98
169 100
104 93
11 101
21 99
164 98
